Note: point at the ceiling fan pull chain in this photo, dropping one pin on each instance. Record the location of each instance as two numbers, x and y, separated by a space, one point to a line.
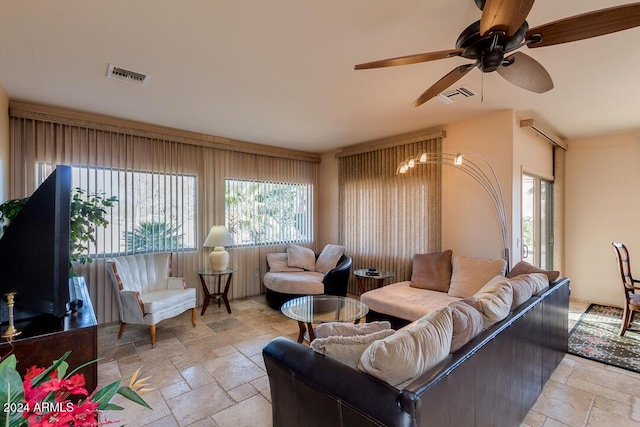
481 88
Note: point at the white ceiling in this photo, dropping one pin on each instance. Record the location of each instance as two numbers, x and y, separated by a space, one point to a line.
280 72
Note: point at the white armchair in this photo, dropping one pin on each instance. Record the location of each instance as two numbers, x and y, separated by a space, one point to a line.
146 292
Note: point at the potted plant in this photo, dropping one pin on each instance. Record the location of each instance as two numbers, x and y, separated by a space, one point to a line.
88 211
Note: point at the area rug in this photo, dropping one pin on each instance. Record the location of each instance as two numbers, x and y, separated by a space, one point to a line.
595 336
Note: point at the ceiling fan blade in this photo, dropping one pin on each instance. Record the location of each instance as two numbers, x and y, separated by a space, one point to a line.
442 84
410 59
527 73
584 26
504 15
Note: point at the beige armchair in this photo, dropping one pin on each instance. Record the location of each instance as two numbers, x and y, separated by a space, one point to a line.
146 292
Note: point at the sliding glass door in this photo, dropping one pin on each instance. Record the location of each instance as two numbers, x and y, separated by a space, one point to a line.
537 221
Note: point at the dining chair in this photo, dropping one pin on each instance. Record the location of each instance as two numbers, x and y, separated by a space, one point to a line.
632 300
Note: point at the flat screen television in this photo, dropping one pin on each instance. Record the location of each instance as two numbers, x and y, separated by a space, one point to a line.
34 251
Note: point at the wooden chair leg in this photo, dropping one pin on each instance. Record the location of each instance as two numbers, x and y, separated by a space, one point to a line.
193 316
152 331
121 330
626 317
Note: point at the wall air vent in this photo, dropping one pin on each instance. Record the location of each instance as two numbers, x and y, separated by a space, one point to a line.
459 93
119 73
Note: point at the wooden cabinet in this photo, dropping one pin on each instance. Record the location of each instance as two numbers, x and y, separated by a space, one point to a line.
45 338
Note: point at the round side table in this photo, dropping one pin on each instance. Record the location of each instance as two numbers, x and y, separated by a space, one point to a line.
378 275
217 294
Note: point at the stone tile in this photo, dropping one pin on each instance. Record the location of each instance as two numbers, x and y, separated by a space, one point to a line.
254 346
175 389
167 421
553 423
599 418
534 419
262 385
196 376
116 353
253 412
242 392
613 407
207 422
199 404
134 414
233 370
225 325
564 404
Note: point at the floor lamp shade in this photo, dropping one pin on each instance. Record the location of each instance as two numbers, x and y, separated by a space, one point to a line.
218 238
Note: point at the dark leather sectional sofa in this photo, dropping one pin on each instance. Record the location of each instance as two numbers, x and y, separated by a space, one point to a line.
492 381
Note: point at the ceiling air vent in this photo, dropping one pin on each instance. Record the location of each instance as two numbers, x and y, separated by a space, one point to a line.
119 73
459 93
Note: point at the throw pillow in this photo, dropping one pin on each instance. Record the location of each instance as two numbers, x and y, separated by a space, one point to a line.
328 329
347 349
494 301
524 267
470 274
467 324
301 257
278 263
408 354
329 258
432 271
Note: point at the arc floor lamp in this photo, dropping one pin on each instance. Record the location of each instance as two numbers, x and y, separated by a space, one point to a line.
481 171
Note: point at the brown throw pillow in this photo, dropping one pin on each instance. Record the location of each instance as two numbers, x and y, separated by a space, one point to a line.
524 267
432 271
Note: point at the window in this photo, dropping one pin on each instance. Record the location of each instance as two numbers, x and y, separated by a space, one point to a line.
537 221
262 212
155 212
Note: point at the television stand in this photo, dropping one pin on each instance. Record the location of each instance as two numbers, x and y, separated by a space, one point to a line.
46 338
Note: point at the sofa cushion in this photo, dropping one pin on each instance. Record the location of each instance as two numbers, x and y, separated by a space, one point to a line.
402 301
493 300
432 271
470 274
406 355
166 299
329 257
301 257
524 267
278 263
348 349
467 324
300 283
328 329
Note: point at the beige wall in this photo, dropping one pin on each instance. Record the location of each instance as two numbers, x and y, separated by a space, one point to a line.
602 206
4 145
327 223
470 225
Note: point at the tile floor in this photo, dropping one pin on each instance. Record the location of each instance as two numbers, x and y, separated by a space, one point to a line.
213 374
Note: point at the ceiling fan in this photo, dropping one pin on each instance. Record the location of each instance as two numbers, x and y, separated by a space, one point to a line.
503 29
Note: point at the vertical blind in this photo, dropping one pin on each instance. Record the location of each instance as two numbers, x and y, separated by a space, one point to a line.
177 186
386 218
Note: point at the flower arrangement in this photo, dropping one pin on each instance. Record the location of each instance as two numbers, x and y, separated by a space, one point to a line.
43 397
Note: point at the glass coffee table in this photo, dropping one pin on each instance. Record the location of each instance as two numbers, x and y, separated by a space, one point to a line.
321 309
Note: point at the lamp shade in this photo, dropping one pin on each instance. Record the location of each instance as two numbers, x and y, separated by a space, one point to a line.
218 238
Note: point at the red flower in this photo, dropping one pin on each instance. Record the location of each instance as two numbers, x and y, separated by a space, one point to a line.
51 419
86 414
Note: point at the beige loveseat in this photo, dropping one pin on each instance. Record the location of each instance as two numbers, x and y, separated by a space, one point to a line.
440 279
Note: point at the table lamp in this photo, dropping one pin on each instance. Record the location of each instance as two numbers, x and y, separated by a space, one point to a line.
218 238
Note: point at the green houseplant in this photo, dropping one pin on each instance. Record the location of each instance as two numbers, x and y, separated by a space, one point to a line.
88 211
